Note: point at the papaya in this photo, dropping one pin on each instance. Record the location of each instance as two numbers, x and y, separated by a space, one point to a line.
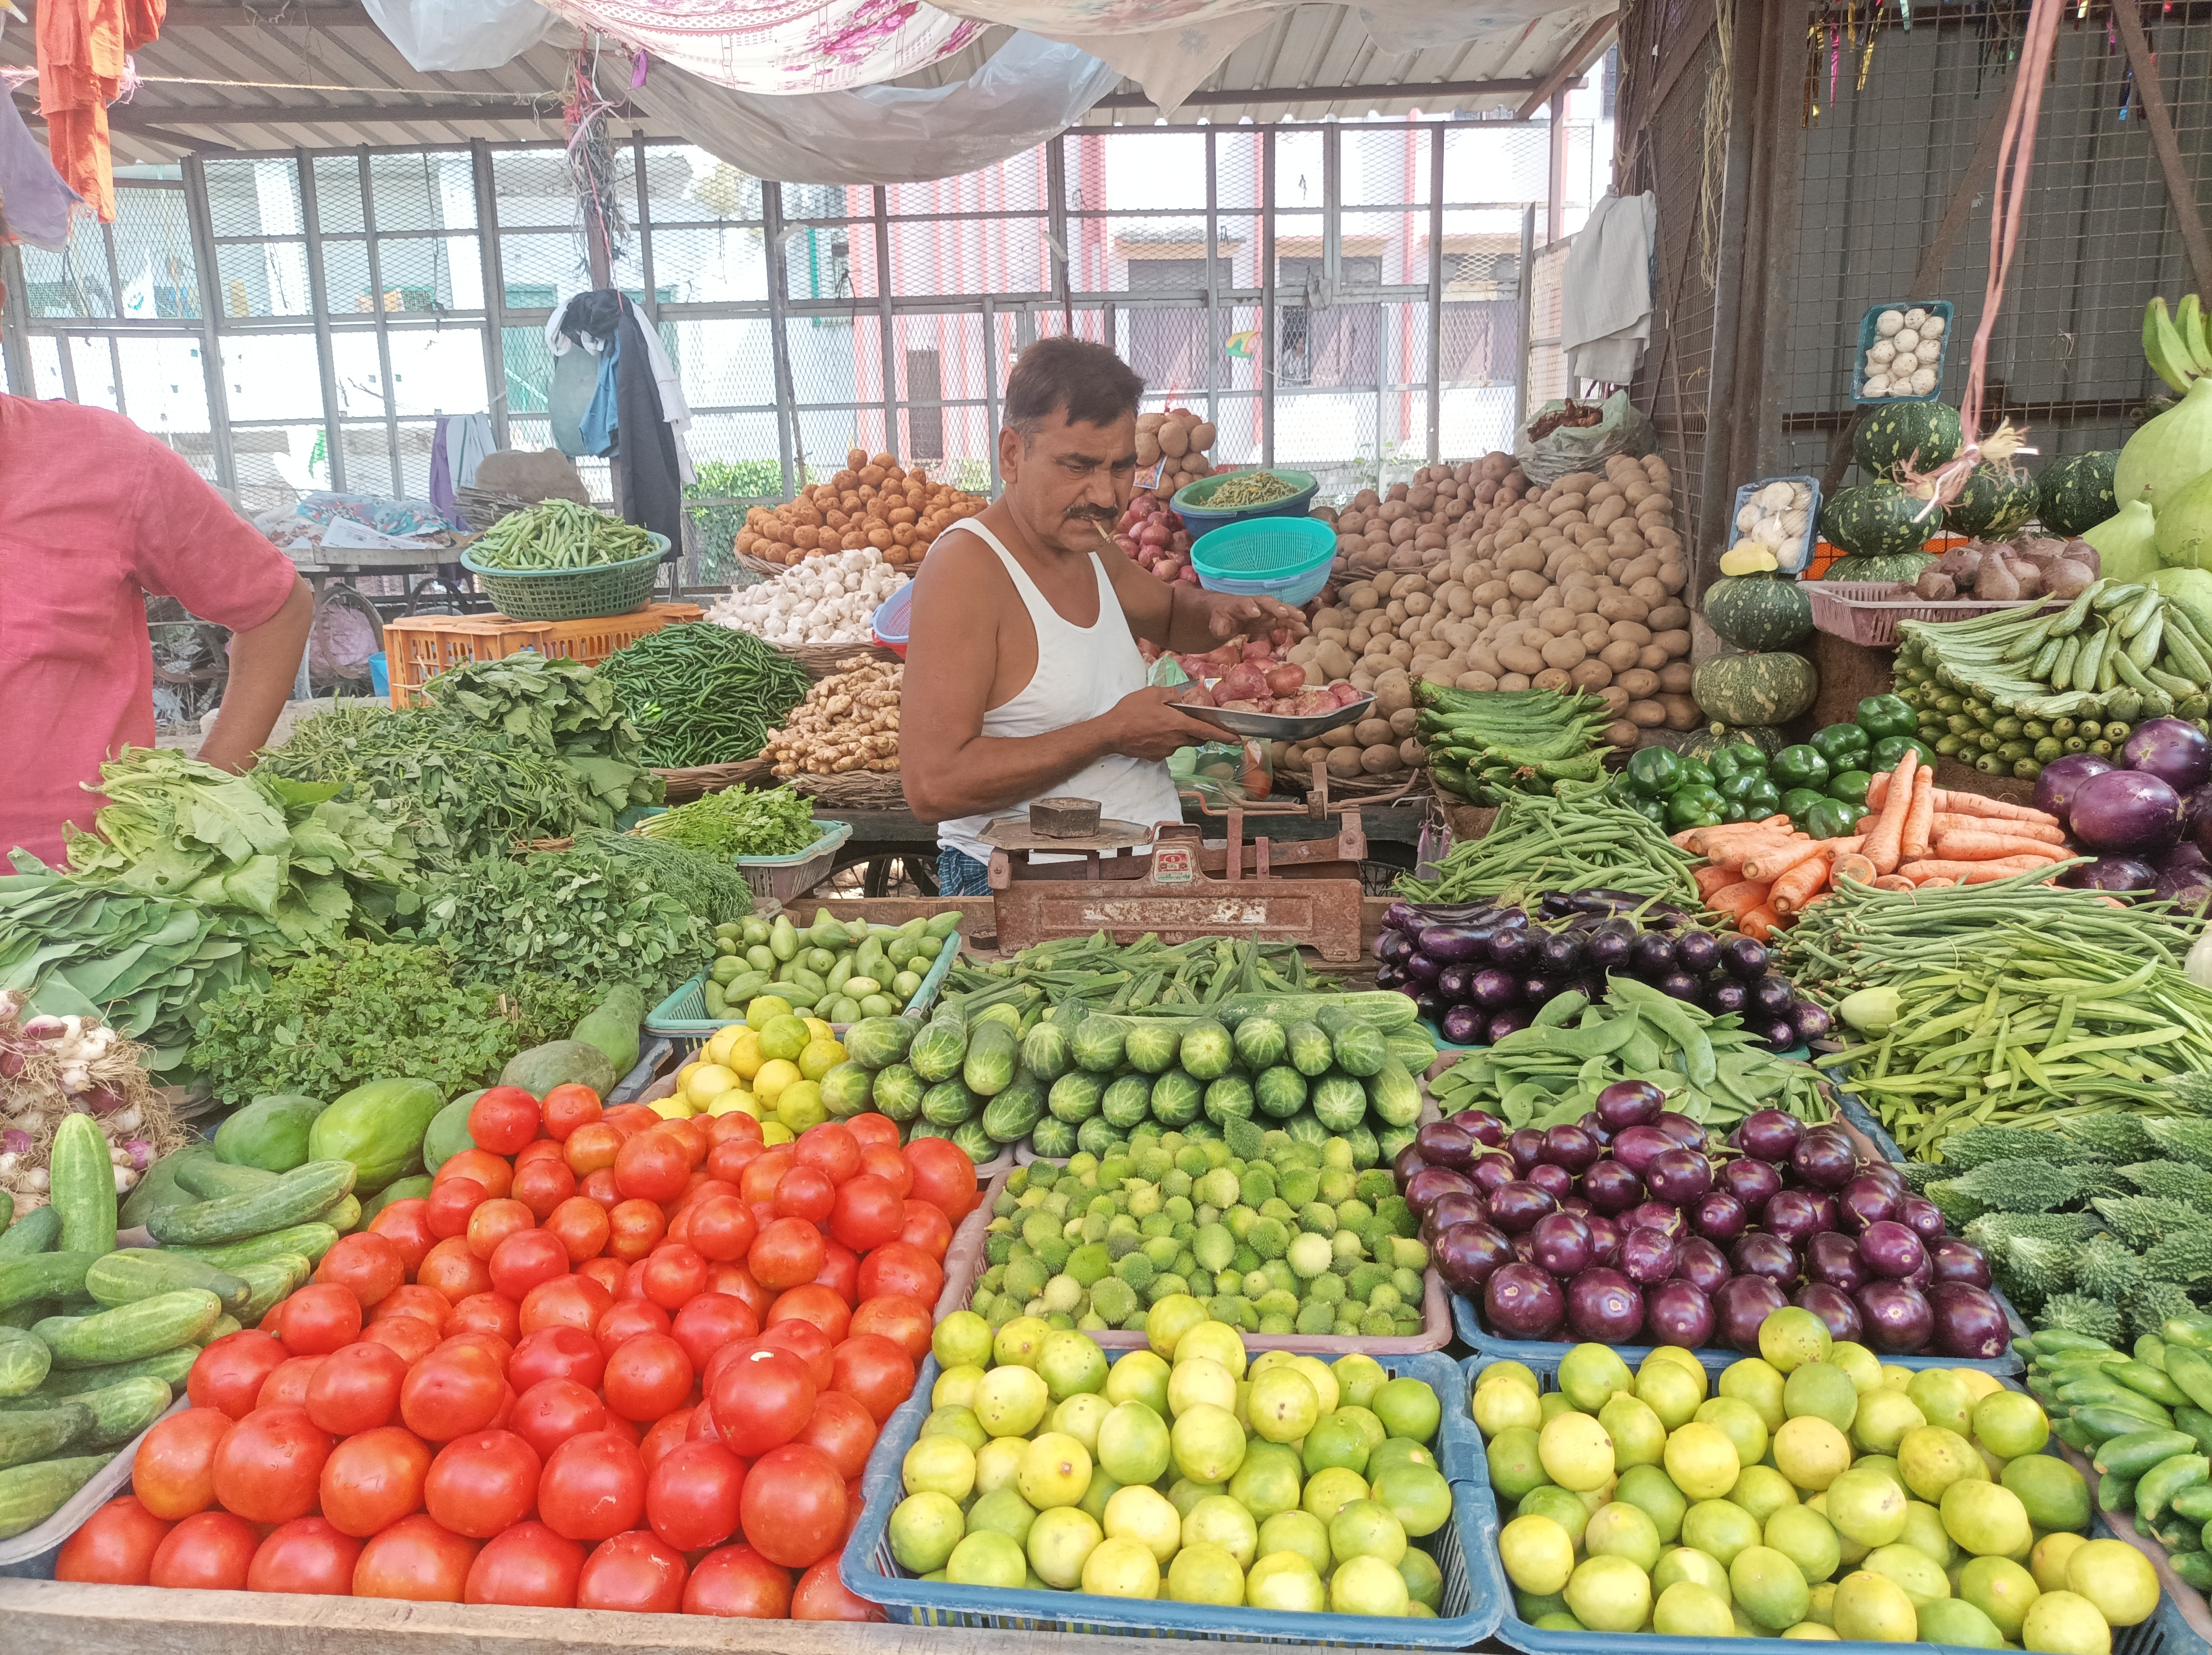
612 1026
400 1189
447 1134
269 1133
557 1063
379 1128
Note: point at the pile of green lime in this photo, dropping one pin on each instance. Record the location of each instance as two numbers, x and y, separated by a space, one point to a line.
1186 1472
1816 1494
1293 1241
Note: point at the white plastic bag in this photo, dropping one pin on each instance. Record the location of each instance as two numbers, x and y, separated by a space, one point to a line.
1622 430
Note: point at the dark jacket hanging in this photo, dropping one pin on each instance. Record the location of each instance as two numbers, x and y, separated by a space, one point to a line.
648 488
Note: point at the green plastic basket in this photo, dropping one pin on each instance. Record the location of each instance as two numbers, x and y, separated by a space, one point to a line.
572 595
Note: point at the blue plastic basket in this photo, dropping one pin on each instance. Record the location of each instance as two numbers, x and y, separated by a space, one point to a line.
2166 1633
1868 336
1789 560
1200 519
1286 558
684 1013
1475 1593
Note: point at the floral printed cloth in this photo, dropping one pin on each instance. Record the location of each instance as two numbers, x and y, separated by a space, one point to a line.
782 46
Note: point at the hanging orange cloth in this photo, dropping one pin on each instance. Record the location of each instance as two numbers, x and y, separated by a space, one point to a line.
82 48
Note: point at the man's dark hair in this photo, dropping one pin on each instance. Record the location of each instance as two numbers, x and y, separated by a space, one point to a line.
1089 381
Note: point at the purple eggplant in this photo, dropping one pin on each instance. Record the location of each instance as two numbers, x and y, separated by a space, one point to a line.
1465 1025
1393 947
1609 945
1454 983
1697 953
1511 1021
1653 956
1538 991
1811 1022
1430 1006
1771 994
1494 988
1393 976
1678 985
1448 944
1743 959
1421 968
1512 950
1559 955
1725 994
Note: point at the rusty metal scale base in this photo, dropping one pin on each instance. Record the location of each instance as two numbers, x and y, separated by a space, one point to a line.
1304 891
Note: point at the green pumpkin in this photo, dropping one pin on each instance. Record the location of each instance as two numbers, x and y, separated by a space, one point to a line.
1708 740
1890 436
1876 519
1758 611
2074 494
1996 501
1769 688
1904 566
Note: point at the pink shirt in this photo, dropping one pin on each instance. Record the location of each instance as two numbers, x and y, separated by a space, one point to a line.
93 514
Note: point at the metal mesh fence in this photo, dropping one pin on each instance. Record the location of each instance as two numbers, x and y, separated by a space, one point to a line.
1345 299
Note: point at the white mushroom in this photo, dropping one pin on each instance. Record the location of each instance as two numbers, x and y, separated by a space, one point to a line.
1877 384
1924 381
1906 341
1888 322
1930 352
1933 328
1880 352
1914 317
1774 496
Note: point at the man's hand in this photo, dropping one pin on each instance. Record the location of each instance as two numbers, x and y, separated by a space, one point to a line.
1229 614
1147 724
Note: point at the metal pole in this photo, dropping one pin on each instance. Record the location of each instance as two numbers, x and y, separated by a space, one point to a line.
991 389
318 295
495 287
1267 350
203 234
15 326
1555 205
651 303
377 315
786 404
1056 176
886 326
1331 197
1212 283
1436 291
1525 285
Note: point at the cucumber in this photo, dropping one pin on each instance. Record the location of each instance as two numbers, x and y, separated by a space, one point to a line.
172 1367
221 1327
2054 1340
2133 1453
2156 1488
42 1433
2193 1569
2071 1432
308 1241
30 1495
345 1216
2116 1493
137 1272
270 1280
213 1178
120 1411
37 1231
2103 1421
83 1185
42 1276
2194 1503
159 1188
307 1193
129 1331
24 1362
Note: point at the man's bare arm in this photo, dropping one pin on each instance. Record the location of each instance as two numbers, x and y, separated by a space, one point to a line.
1188 619
264 665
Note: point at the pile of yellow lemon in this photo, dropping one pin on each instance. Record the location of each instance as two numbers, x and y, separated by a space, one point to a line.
770 1067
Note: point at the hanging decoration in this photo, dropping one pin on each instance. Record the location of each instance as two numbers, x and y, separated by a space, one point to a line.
84 48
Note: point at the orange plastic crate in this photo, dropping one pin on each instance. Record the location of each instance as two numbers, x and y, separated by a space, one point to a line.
420 647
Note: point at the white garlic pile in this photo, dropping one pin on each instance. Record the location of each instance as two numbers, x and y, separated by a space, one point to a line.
828 598
1773 518
1906 357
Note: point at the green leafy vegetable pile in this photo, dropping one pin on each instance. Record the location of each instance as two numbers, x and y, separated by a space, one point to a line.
336 1020
145 964
740 821
599 913
290 866
520 749
705 694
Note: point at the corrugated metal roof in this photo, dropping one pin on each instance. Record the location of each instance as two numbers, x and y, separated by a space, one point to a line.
318 74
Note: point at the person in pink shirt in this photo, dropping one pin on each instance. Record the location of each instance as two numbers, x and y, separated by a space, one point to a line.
94 514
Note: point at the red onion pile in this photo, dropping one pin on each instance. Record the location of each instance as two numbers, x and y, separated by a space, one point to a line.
1621 1228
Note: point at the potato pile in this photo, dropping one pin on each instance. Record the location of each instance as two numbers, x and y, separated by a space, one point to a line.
873 501
1381 745
1578 584
848 722
1409 530
1180 438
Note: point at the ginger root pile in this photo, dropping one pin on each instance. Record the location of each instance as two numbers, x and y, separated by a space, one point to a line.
848 722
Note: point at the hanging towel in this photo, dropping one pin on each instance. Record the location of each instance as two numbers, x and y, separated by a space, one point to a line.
576 382
36 201
470 440
651 479
83 48
673 406
603 418
1604 292
441 476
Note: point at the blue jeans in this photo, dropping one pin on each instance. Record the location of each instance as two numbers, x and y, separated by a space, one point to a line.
959 875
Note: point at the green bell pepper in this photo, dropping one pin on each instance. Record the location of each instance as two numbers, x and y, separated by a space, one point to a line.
1653 811
1795 802
1890 749
1736 759
1831 819
1801 766
1654 772
1696 773
1850 786
1736 783
1845 746
1695 806
1886 715
1762 800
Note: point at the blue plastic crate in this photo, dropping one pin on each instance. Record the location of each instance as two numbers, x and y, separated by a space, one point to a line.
2166 1633
1794 559
684 1011
1475 1593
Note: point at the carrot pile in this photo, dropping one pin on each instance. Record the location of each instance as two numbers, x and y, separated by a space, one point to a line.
1915 835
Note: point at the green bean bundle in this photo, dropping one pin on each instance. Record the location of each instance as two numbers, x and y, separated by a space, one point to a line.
1574 838
557 534
1487 745
704 694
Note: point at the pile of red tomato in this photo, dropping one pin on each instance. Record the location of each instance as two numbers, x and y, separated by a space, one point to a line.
611 1361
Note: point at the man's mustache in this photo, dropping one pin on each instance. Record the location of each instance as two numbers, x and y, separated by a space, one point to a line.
1090 515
